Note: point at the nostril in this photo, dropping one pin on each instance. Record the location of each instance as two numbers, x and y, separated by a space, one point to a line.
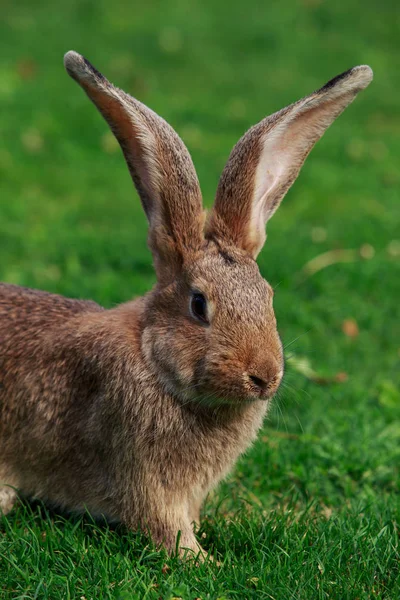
260 383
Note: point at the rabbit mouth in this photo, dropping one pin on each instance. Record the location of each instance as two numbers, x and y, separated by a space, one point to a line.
229 396
217 390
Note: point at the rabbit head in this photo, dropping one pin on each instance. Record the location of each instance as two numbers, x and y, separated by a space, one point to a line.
209 331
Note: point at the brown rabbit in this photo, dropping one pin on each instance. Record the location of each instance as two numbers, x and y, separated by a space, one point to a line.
138 411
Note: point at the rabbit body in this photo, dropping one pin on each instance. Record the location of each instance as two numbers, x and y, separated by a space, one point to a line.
84 423
137 412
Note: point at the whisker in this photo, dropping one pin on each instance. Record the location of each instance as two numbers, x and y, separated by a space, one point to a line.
299 422
294 391
297 338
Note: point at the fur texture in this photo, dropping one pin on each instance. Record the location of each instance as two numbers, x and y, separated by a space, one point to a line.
137 412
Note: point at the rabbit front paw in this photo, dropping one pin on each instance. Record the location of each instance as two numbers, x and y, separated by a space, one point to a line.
8 497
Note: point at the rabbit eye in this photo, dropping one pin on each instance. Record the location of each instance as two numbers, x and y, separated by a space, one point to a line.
198 306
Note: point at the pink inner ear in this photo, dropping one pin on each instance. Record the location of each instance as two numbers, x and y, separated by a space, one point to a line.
285 149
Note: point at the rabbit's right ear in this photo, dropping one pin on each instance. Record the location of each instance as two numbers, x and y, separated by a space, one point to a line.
160 166
268 158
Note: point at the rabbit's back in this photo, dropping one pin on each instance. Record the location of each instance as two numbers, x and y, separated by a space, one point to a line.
24 308
35 330
49 388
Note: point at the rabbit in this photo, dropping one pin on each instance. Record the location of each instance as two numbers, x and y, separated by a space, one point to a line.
137 412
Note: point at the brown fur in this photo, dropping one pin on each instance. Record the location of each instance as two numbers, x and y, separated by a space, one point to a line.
138 411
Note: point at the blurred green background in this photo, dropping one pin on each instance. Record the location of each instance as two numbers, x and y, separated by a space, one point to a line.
70 222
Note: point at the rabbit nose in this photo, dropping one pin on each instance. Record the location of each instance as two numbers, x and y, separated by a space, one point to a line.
266 382
259 383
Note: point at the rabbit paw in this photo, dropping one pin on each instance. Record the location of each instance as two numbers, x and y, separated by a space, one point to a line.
8 497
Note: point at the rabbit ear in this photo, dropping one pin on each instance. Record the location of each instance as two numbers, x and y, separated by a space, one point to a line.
159 163
267 159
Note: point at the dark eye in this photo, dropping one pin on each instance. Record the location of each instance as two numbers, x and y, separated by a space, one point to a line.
198 306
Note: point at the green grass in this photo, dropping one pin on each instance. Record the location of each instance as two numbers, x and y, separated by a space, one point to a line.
313 510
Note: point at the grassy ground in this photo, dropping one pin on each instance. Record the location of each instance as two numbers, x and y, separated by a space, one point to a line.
313 510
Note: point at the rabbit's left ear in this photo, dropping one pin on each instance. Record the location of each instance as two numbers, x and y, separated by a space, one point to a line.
160 166
267 159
